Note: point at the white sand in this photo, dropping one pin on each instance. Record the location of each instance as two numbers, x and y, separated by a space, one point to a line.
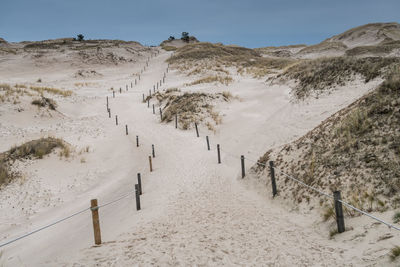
195 211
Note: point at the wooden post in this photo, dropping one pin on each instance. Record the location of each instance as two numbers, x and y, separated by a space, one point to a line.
197 130
116 119
157 85
208 143
120 90
273 182
160 113
126 129
163 79
176 121
242 163
151 165
143 97
137 141
339 212
148 102
139 180
109 113
135 81
137 193
152 151
113 94
219 154
131 85
96 222
154 111
139 77
154 88
107 102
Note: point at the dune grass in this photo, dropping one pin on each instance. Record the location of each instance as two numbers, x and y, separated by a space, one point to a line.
51 90
226 80
319 75
35 149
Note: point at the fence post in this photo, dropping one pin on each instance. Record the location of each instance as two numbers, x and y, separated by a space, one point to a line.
113 94
135 81
242 163
154 88
152 151
148 102
160 113
139 180
219 154
137 193
273 182
208 143
107 102
120 90
163 79
339 212
137 141
109 113
151 165
197 130
139 77
154 111
143 97
176 121
126 129
116 119
96 222
131 84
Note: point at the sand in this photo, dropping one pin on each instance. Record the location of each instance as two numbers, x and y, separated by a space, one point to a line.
194 210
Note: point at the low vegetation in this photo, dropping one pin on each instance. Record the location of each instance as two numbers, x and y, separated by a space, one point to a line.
226 80
356 151
319 75
394 253
203 57
190 107
51 90
45 102
382 49
35 149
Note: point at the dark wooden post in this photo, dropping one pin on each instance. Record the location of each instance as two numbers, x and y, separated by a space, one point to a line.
273 182
113 94
154 88
137 193
151 165
163 79
152 151
242 163
339 212
126 129
176 121
154 111
197 130
109 113
116 119
96 221
208 143
148 102
107 102
137 141
139 180
161 113
219 154
120 90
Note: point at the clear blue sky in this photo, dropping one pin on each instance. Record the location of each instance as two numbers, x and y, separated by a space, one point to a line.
251 23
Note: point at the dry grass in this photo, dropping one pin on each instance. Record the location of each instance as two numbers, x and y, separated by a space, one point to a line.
355 151
35 149
51 90
226 80
190 107
319 75
168 48
382 49
45 102
205 57
394 253
322 47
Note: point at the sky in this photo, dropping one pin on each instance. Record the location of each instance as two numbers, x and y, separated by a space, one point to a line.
250 23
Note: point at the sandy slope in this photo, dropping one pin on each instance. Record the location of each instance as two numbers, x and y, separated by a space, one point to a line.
195 211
